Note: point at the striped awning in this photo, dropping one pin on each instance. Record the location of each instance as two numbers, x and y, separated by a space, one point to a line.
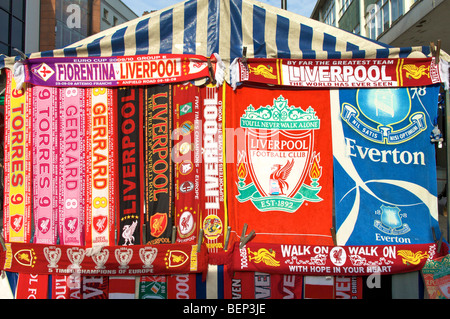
226 27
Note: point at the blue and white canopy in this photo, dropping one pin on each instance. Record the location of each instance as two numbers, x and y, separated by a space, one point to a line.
225 27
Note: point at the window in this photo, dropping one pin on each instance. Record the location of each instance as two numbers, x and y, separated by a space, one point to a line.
381 15
67 34
12 26
105 14
343 6
328 14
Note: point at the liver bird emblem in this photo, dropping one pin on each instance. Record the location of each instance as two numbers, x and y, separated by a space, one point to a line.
415 72
408 257
265 256
279 175
265 71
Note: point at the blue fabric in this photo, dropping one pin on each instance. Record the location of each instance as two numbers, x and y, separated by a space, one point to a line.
385 184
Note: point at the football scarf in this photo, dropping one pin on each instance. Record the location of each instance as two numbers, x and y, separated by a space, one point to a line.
188 167
45 163
158 164
100 167
134 260
116 70
214 216
337 73
71 216
130 165
18 165
331 260
280 177
385 167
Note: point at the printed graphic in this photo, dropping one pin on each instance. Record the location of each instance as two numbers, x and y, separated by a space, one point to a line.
385 167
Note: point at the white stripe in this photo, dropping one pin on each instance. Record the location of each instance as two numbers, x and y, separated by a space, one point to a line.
211 283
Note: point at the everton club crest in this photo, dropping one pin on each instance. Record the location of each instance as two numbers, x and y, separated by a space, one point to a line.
279 169
384 116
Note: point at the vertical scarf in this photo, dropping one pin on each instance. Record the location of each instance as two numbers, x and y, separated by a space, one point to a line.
158 165
100 172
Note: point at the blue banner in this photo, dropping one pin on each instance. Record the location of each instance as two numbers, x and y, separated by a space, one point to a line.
384 165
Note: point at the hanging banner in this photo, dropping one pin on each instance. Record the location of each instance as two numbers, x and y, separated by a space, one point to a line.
213 197
18 165
186 154
385 166
72 178
130 186
116 71
45 164
100 167
279 164
158 164
317 260
436 276
337 73
135 260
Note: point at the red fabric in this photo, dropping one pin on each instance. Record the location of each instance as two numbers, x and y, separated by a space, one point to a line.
181 286
300 211
162 259
186 156
331 260
31 286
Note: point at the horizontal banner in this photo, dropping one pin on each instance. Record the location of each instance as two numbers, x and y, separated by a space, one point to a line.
331 260
116 71
337 73
136 260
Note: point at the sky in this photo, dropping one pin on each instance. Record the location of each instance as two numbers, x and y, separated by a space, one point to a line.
302 7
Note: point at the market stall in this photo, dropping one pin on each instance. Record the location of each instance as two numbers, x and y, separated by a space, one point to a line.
220 149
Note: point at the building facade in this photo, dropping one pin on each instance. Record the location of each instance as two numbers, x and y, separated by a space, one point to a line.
41 25
400 23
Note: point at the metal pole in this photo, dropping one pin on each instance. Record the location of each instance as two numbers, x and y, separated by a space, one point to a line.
447 141
284 4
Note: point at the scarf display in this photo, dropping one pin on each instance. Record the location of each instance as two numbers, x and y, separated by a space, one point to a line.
45 163
129 177
72 174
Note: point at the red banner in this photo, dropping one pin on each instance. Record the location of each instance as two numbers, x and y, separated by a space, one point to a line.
338 73
331 260
135 260
280 165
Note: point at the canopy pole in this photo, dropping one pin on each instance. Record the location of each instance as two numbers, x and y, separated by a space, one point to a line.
447 140
284 4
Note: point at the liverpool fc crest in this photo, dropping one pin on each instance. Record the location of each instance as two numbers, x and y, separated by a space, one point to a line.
279 157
